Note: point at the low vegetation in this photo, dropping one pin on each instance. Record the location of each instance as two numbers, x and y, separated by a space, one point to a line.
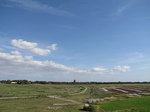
129 105
72 97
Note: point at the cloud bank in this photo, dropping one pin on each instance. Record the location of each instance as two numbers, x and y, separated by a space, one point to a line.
15 59
14 63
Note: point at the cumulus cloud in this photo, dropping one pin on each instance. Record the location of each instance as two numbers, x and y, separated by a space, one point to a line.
15 53
52 47
122 68
23 44
16 63
32 47
96 69
106 71
15 60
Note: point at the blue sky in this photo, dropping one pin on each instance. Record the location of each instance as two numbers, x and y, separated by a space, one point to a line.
85 40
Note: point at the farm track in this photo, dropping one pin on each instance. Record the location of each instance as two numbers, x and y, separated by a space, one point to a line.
80 92
72 101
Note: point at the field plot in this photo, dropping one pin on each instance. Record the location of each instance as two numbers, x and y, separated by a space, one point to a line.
41 98
118 90
37 90
129 90
67 97
129 105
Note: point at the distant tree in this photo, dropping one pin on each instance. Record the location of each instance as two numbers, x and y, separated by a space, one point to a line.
74 81
8 82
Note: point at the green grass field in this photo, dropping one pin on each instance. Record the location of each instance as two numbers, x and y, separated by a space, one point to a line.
36 90
130 105
34 98
36 105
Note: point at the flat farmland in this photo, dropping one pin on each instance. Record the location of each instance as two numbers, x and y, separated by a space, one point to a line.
70 97
15 90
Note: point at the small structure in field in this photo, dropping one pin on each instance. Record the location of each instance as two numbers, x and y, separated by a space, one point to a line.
94 100
86 107
13 82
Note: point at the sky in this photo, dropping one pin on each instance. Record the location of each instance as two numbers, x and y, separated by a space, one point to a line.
82 40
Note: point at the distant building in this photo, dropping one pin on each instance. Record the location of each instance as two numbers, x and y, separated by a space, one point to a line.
13 82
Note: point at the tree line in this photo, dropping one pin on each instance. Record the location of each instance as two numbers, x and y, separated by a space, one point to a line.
73 82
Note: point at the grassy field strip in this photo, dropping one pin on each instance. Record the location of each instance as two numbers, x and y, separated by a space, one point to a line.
3 98
80 92
62 104
72 101
39 90
71 98
129 105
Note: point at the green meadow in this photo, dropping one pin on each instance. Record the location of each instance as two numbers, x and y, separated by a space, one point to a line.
15 90
129 105
70 98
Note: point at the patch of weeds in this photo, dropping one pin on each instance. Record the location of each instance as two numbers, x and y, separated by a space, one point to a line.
128 110
41 96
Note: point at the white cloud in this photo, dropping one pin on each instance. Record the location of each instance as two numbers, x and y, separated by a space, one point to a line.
106 71
23 44
96 69
52 47
16 53
32 4
40 52
32 47
15 60
17 65
121 68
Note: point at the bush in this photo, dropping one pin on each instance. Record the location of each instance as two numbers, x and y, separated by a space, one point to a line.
87 107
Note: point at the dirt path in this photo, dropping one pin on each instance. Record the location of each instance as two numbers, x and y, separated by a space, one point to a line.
80 92
3 98
71 101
